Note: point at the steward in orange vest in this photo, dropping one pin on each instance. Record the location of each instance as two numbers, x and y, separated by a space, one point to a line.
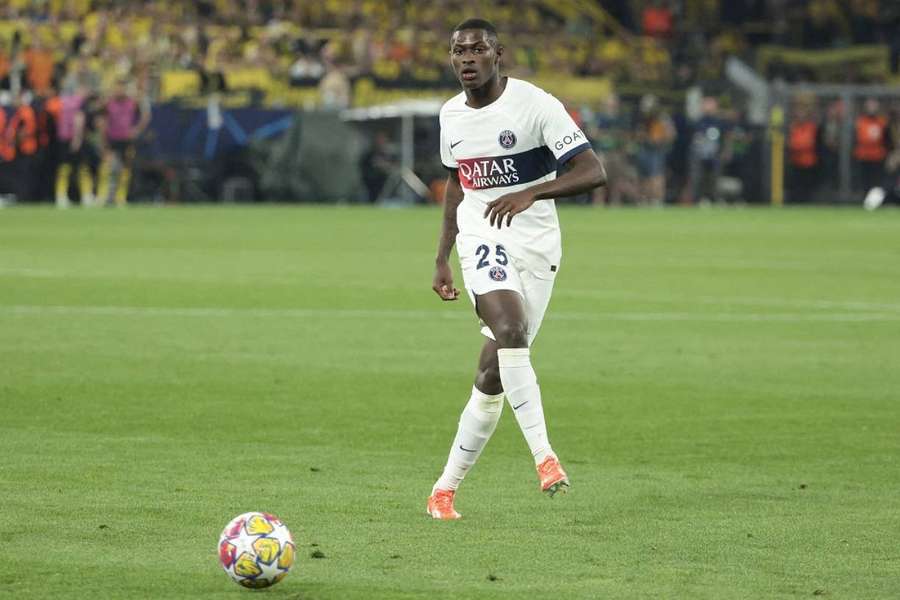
872 145
802 144
871 138
22 131
7 150
21 143
803 148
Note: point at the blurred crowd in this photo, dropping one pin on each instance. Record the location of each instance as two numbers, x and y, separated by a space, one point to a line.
697 34
78 77
329 43
75 143
703 154
709 153
813 141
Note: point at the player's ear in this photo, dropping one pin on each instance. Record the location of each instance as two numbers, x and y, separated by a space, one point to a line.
499 52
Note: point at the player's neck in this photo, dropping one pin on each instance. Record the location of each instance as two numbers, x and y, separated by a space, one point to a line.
486 94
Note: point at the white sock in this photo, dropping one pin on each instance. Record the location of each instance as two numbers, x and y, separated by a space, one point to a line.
476 425
524 396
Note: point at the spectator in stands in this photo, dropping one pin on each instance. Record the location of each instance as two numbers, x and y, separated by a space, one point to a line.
378 164
655 133
707 146
610 133
657 20
334 88
14 78
803 150
613 58
22 136
740 173
307 69
39 63
871 144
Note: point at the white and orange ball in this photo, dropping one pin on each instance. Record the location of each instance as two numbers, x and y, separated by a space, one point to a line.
256 550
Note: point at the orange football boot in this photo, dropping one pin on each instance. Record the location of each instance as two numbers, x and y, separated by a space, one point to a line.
553 477
440 505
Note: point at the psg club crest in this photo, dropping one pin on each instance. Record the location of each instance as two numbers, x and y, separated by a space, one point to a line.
507 139
498 274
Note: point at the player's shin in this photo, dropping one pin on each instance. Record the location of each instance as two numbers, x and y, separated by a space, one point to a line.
524 397
476 425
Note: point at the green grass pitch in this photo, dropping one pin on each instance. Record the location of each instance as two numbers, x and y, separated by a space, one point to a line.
723 387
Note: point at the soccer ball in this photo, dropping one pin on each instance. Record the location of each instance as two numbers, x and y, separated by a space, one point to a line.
256 550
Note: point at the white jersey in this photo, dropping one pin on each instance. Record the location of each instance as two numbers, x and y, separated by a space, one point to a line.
517 141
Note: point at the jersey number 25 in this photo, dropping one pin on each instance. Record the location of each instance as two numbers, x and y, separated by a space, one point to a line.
483 251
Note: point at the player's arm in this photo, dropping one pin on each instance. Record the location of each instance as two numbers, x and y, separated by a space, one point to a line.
585 172
100 123
78 131
443 275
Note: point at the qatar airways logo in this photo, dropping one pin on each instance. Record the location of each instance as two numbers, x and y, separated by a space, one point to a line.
481 173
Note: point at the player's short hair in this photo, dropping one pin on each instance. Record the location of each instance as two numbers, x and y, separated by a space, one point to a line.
477 24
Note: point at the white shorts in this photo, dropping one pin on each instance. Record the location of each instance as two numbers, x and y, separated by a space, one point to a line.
491 268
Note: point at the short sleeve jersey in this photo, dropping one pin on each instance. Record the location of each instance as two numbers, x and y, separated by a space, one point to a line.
517 141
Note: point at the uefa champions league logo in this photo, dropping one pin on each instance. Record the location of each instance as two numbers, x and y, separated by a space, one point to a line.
507 139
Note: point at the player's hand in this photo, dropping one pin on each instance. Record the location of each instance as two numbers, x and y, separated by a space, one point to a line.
443 282
508 205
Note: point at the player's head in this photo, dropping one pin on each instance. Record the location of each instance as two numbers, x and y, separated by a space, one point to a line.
871 106
120 88
475 53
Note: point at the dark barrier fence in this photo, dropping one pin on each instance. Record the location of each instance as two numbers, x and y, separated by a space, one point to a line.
247 154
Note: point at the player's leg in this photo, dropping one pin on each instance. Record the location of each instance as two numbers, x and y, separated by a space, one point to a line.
104 184
87 174
506 314
503 311
476 425
487 379
63 173
121 197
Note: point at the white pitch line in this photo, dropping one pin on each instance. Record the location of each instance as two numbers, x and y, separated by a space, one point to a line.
851 305
352 313
25 272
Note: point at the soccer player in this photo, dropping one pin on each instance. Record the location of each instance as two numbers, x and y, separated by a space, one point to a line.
74 132
125 119
503 139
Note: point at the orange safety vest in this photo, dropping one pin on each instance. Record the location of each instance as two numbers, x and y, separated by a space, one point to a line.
23 130
7 150
802 144
870 142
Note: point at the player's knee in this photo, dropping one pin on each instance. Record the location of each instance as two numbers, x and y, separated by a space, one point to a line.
511 334
488 380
